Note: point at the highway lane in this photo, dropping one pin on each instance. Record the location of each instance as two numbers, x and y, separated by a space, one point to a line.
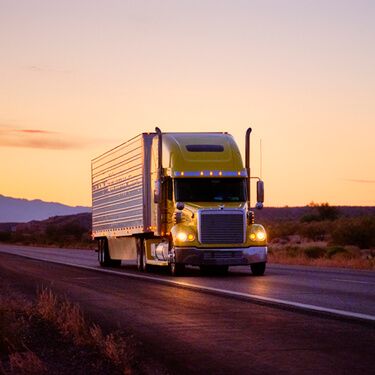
186 331
348 291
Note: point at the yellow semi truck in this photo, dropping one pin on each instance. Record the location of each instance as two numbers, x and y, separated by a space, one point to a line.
177 199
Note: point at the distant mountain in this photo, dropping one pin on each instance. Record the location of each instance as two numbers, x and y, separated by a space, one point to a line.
22 210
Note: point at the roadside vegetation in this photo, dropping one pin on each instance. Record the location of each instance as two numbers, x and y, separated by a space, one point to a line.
52 336
72 231
324 237
318 234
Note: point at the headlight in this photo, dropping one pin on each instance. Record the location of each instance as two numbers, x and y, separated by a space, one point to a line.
183 236
257 233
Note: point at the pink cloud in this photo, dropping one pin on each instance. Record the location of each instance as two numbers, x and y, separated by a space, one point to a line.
38 138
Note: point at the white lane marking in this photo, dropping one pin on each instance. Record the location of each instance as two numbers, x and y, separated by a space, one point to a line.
355 281
347 314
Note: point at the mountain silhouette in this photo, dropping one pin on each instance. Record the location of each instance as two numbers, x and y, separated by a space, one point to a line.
22 210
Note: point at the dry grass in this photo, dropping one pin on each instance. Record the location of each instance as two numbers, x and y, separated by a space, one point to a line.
321 255
26 363
32 335
70 321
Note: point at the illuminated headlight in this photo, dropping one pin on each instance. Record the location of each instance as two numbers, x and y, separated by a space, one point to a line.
183 236
257 233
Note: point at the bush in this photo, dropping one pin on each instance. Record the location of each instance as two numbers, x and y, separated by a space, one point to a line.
334 250
5 236
356 231
282 229
315 252
321 212
292 251
316 231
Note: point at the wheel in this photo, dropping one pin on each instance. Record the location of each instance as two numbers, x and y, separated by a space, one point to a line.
140 255
258 268
103 255
177 269
218 270
145 267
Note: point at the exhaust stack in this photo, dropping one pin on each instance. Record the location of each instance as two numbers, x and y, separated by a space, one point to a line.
247 164
158 199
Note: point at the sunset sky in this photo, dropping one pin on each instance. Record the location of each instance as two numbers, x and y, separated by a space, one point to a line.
80 77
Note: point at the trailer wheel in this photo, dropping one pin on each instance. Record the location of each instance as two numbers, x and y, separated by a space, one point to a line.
103 255
258 269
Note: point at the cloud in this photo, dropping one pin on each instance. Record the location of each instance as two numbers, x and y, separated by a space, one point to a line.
47 69
34 131
38 138
361 181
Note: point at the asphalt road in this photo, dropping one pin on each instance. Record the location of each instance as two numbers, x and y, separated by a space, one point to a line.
187 331
338 291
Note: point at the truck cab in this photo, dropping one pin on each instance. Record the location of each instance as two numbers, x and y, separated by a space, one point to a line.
204 200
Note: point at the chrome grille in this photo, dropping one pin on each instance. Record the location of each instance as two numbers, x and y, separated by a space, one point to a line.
221 226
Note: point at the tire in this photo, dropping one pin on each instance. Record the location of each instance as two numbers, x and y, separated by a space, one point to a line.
177 269
214 270
258 269
140 246
103 255
145 267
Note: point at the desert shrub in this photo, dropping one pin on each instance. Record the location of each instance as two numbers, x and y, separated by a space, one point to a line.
356 231
315 231
5 236
314 252
282 229
292 251
334 250
74 229
321 212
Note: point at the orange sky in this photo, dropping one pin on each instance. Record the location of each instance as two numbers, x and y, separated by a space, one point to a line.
77 78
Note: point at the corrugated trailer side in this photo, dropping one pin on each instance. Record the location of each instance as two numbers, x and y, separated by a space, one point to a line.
121 189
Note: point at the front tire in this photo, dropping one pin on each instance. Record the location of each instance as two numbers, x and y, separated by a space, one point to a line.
145 267
177 269
258 269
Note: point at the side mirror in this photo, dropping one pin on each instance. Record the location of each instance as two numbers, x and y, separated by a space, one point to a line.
157 192
260 194
180 206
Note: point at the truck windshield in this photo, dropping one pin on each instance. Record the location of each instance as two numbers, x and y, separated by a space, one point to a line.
210 189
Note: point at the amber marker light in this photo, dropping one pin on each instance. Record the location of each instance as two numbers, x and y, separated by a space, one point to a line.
220 173
182 173
201 173
211 173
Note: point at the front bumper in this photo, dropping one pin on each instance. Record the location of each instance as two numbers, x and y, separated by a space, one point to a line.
228 256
